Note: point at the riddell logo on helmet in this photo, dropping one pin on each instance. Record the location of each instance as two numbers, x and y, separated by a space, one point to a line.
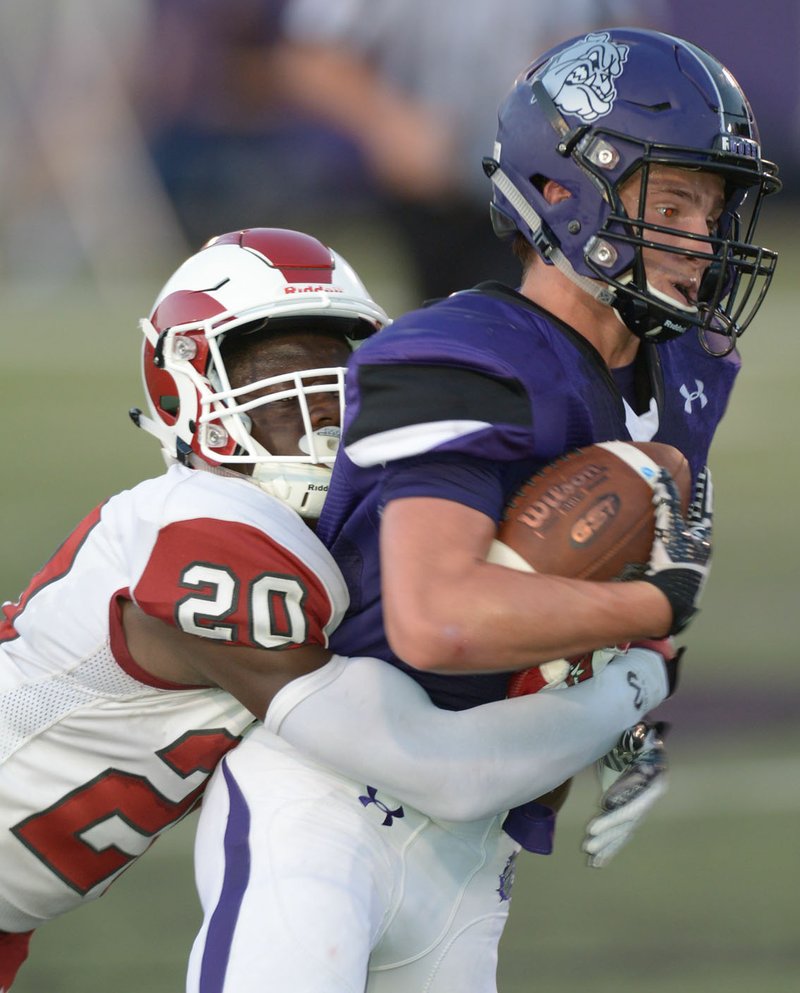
312 288
674 326
740 146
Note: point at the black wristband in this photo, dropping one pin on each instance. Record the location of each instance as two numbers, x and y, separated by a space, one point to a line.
680 587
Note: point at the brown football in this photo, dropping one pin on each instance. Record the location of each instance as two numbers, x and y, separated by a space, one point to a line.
590 514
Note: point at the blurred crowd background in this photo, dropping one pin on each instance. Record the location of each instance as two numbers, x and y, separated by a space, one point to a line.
131 130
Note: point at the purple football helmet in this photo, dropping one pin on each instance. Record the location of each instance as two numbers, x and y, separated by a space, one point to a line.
589 114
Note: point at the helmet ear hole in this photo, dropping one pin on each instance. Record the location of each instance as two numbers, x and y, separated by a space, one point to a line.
169 405
161 388
538 182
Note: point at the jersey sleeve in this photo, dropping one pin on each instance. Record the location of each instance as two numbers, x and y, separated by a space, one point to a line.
476 483
430 384
232 582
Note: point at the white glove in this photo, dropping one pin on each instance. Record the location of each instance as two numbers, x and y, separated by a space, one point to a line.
633 775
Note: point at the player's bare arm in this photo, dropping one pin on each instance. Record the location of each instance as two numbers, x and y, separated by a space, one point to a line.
448 609
252 675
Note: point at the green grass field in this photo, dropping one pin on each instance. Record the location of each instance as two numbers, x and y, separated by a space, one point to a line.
705 899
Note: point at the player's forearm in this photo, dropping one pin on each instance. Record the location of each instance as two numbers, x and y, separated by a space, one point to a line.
498 619
468 764
446 609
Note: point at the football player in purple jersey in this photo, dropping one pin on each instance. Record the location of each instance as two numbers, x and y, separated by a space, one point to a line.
628 174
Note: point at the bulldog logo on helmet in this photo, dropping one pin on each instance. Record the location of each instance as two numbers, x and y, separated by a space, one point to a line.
581 78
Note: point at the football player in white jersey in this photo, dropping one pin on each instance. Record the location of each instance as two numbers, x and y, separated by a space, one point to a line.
168 619
111 718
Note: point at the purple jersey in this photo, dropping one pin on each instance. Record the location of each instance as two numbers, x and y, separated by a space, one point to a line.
464 400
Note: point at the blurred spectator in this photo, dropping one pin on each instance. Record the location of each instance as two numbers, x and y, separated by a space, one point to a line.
449 63
78 193
274 111
223 114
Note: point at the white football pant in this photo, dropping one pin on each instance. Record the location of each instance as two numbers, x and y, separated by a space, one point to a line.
313 883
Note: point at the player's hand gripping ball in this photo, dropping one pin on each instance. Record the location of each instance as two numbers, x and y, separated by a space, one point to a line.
588 515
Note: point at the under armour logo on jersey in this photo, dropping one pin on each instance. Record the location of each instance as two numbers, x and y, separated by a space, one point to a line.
371 797
636 686
691 395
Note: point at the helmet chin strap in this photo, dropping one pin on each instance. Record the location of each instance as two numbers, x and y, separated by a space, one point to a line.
659 294
600 291
301 486
640 314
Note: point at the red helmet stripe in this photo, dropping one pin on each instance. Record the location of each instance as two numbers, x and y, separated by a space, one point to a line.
301 258
185 307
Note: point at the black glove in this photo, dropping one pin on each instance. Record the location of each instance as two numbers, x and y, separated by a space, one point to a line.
681 554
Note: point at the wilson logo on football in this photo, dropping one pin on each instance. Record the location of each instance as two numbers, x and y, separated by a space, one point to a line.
598 516
561 497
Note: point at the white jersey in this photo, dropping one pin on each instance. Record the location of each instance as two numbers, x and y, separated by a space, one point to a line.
97 758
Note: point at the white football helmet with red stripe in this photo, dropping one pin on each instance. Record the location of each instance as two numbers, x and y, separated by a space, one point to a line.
235 281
